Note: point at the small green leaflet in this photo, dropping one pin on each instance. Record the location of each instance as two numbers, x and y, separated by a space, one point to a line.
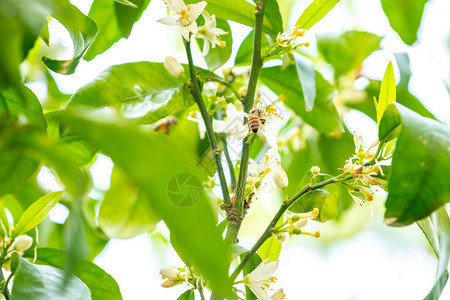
387 92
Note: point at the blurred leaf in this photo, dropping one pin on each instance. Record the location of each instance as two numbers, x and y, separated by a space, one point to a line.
420 166
387 91
315 12
326 200
245 52
44 282
82 30
127 15
101 284
37 212
436 229
127 3
135 153
124 212
270 249
239 11
3 218
324 116
404 17
273 15
217 56
307 77
402 59
347 51
143 91
188 295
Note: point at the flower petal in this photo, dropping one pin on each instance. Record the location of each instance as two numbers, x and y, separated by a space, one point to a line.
172 21
263 271
259 292
197 9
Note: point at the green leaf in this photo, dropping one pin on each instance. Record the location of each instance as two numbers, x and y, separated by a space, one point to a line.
45 282
101 284
326 200
307 77
420 166
404 17
347 51
436 229
188 295
126 15
270 249
37 212
239 11
3 218
218 56
387 91
245 52
127 3
402 59
82 30
142 91
315 12
172 159
124 212
273 15
324 116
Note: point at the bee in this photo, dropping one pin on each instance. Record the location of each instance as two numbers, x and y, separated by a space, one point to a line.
255 119
165 124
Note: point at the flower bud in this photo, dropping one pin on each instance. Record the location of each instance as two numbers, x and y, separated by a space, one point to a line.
173 67
170 283
281 237
170 272
278 295
315 170
22 243
280 178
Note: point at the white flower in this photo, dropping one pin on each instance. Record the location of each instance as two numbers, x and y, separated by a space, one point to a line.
278 295
232 123
170 272
210 33
173 67
186 16
286 37
22 243
260 279
280 178
197 117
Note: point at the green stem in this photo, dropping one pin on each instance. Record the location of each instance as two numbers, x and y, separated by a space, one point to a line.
268 232
5 291
229 162
195 91
235 92
257 63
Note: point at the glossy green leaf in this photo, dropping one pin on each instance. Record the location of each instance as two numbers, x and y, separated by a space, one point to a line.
404 17
420 166
82 30
324 116
315 12
347 51
307 77
239 11
101 284
156 167
115 20
124 212
188 295
218 56
245 52
45 282
387 91
37 212
436 229
143 91
270 250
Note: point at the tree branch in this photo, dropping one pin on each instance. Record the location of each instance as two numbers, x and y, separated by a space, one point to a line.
257 63
268 232
207 119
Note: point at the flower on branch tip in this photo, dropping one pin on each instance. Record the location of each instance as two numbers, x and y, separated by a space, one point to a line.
185 16
174 276
22 243
315 170
173 67
260 278
286 37
210 33
280 178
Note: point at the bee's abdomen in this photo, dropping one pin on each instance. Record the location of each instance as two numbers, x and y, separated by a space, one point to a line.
253 123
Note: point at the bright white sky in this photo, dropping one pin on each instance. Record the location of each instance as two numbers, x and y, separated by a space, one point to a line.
380 262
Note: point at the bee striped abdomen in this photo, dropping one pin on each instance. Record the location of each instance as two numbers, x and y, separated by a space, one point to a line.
253 123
